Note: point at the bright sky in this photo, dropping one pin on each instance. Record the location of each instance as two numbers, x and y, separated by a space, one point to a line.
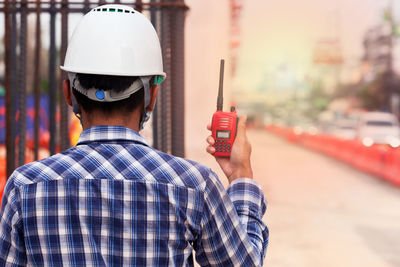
278 33
275 33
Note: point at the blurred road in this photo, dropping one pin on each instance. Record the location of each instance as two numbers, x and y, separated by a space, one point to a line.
321 212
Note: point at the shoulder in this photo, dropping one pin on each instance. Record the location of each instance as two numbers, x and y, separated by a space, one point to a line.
183 171
47 169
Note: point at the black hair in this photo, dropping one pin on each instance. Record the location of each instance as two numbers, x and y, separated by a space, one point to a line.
107 83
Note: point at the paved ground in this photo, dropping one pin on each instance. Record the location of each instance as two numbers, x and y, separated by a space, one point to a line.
321 212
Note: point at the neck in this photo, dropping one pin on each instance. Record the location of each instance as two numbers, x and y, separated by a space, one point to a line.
130 121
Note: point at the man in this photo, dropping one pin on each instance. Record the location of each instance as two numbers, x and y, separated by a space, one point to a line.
112 200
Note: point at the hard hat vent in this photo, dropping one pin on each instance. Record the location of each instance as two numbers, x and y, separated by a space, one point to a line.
118 10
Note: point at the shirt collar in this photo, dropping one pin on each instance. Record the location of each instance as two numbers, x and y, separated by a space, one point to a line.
110 134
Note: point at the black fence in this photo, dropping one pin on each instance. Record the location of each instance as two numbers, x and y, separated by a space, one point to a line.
34 50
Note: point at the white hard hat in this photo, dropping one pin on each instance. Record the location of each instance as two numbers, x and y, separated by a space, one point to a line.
114 40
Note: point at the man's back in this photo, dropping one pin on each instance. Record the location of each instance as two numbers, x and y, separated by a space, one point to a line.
114 201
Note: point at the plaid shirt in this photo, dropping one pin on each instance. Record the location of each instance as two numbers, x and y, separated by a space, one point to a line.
114 201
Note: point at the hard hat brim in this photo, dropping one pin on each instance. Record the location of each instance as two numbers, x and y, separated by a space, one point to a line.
136 74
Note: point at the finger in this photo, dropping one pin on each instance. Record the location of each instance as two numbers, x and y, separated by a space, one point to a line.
210 149
209 127
210 140
241 127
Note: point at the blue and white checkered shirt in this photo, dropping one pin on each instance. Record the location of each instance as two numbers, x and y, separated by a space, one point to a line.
114 201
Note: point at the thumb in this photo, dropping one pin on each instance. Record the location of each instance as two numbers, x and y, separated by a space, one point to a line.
241 127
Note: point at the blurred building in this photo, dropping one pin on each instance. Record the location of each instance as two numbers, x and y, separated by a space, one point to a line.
377 57
377 65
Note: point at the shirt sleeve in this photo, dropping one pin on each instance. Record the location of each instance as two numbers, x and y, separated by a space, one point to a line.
12 246
232 230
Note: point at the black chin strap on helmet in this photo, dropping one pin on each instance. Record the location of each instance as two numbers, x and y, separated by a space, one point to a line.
75 106
145 114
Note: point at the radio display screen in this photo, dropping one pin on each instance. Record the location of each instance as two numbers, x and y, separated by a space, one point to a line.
223 134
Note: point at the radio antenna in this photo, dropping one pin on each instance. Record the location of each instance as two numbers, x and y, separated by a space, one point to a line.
220 99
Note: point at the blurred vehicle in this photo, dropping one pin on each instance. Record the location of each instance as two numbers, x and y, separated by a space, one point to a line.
378 128
345 128
306 128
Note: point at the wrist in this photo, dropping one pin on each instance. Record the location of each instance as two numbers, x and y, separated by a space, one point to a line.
241 172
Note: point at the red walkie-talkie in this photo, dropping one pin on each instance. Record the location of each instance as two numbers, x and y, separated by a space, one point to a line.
224 124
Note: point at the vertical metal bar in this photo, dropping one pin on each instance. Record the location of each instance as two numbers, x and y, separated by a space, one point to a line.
52 78
153 14
36 85
14 84
156 142
177 82
86 6
165 115
139 5
11 86
161 95
7 103
64 138
22 83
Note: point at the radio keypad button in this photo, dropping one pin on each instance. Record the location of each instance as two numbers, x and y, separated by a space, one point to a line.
222 146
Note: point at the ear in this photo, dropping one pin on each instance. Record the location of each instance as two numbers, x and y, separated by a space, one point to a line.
153 96
67 92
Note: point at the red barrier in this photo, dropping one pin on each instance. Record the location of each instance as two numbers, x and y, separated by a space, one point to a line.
292 136
333 146
391 170
370 159
348 151
380 160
